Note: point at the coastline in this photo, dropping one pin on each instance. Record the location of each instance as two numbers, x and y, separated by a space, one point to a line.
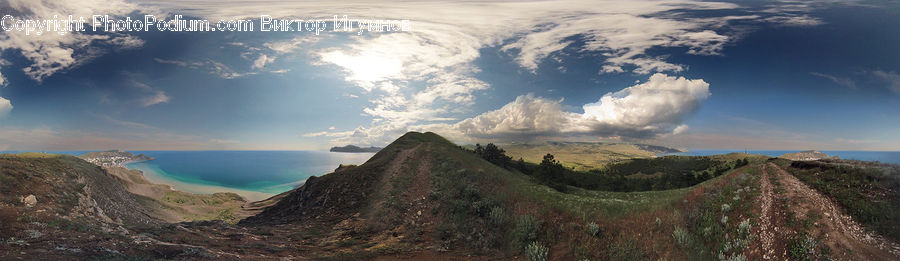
177 185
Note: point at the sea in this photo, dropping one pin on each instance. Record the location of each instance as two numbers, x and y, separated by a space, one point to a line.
255 175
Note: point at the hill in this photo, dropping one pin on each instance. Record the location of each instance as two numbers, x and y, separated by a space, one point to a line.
584 155
806 155
352 148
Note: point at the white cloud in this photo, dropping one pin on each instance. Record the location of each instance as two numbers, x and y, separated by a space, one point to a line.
658 106
261 61
846 82
288 46
892 79
51 53
3 81
680 129
212 67
428 74
5 107
127 42
156 98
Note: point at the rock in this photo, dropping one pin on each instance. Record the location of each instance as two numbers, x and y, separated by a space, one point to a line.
30 201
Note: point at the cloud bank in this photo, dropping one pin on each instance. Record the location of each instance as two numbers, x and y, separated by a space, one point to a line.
646 110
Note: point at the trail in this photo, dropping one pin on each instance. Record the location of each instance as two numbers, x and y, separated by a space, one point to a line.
847 239
766 227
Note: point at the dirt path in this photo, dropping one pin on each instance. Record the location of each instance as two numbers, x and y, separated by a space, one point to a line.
766 227
847 239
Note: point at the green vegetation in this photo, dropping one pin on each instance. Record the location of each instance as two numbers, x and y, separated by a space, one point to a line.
583 156
536 252
526 230
719 226
664 173
472 216
869 192
804 247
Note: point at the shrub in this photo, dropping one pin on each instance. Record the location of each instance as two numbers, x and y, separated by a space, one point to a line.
733 257
497 216
593 229
803 248
682 237
536 252
526 229
744 228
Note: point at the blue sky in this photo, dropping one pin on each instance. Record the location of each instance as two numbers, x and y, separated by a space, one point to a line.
701 75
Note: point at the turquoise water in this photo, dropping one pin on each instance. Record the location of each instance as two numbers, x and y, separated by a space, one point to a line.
892 157
253 174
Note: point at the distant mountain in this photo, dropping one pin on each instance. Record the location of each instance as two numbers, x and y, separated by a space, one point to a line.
806 155
354 149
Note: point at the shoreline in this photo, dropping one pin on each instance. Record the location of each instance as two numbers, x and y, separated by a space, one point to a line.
177 185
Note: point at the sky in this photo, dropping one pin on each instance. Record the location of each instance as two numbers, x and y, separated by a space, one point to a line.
759 75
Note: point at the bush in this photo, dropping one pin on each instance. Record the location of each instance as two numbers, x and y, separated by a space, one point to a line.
593 229
803 248
536 252
681 236
497 216
744 228
526 229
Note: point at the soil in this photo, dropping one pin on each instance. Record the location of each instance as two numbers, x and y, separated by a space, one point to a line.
847 239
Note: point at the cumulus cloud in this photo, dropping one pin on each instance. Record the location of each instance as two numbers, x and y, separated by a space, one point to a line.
5 107
655 107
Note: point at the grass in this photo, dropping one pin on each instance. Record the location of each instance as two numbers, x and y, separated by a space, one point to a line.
718 227
579 155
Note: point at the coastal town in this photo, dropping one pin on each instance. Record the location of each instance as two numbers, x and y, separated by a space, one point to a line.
113 158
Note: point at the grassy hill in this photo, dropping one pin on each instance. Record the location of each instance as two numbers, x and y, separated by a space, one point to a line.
425 193
583 155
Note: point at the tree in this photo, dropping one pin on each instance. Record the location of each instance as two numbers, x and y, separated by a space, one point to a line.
493 154
551 173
